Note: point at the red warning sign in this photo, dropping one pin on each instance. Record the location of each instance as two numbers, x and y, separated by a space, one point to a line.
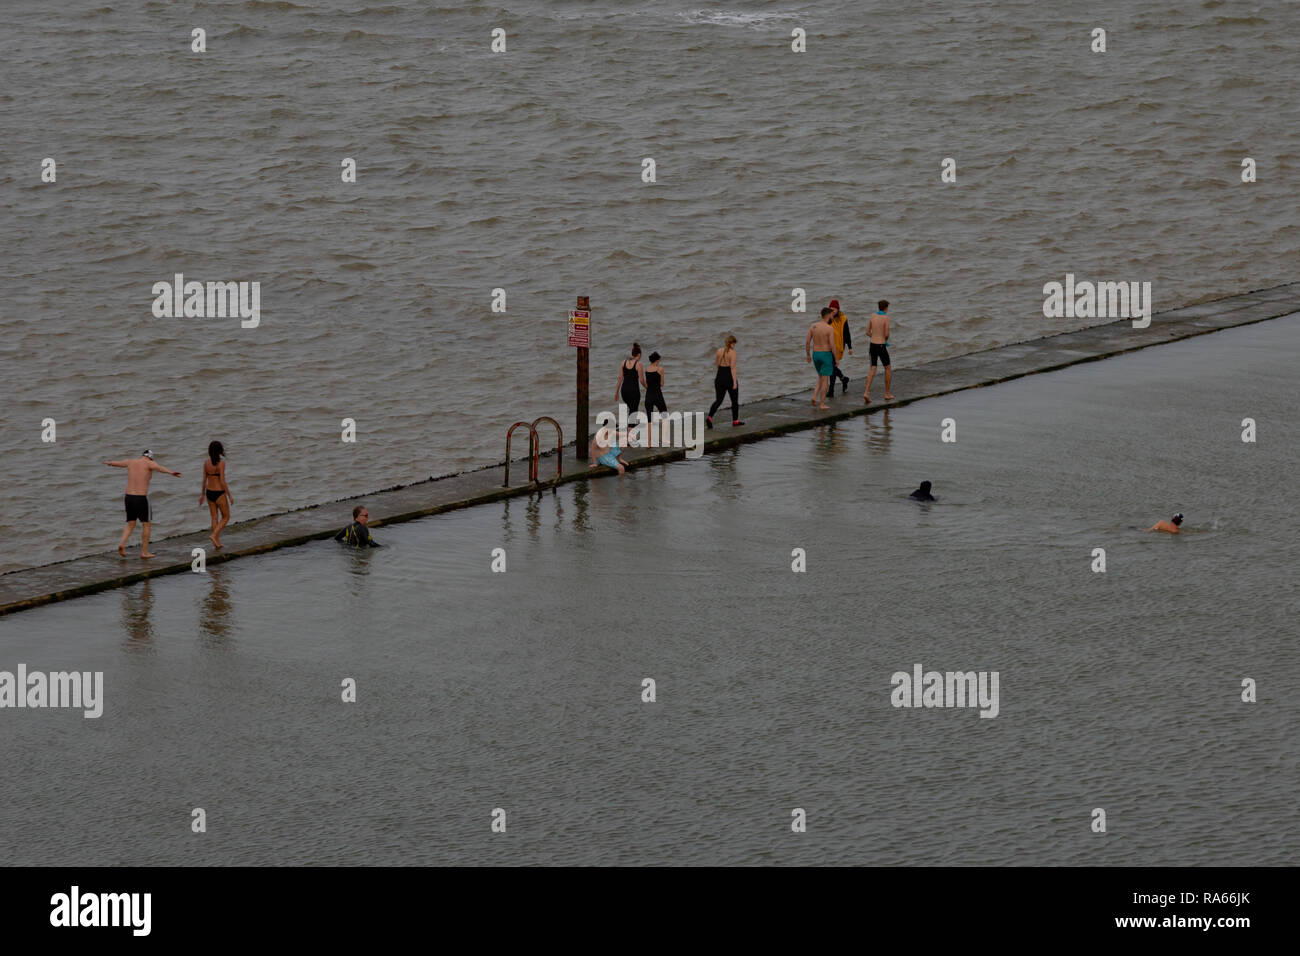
580 328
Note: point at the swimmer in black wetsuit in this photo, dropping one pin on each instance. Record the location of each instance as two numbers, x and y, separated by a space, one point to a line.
357 534
922 493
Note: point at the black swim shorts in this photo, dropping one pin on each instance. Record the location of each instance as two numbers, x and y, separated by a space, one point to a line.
879 352
137 508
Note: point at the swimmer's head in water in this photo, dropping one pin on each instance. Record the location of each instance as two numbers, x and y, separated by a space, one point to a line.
1178 518
925 486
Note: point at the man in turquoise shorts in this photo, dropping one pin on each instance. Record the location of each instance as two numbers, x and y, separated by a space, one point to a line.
821 341
612 456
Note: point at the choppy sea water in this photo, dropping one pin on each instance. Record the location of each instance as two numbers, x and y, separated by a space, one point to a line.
522 171
523 690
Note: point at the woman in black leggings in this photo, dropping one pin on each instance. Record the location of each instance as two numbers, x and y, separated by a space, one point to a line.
630 379
726 381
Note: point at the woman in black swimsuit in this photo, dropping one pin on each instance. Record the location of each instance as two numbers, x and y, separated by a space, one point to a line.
630 373
654 380
216 491
726 382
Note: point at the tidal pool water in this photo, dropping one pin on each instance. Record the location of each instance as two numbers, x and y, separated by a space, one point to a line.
523 690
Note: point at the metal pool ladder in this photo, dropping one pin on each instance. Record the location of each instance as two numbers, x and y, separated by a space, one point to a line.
534 449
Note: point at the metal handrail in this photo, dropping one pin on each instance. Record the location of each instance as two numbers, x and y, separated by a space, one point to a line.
559 447
532 438
534 448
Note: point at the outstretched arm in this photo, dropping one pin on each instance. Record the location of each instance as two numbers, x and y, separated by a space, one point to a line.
154 466
116 464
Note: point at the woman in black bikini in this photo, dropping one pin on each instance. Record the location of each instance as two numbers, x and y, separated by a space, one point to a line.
628 391
216 491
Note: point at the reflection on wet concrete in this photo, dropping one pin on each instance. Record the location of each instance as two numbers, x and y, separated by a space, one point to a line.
878 429
137 614
215 609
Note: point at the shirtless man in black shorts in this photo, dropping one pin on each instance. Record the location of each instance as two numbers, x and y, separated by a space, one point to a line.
139 471
878 331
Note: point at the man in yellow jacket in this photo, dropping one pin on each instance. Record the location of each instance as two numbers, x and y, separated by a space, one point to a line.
843 340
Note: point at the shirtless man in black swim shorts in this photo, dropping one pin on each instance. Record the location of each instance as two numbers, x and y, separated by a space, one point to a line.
139 471
878 330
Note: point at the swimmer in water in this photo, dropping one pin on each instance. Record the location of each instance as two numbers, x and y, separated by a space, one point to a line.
357 534
922 493
1171 525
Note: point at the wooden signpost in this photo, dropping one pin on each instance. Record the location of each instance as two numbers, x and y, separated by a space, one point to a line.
580 338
